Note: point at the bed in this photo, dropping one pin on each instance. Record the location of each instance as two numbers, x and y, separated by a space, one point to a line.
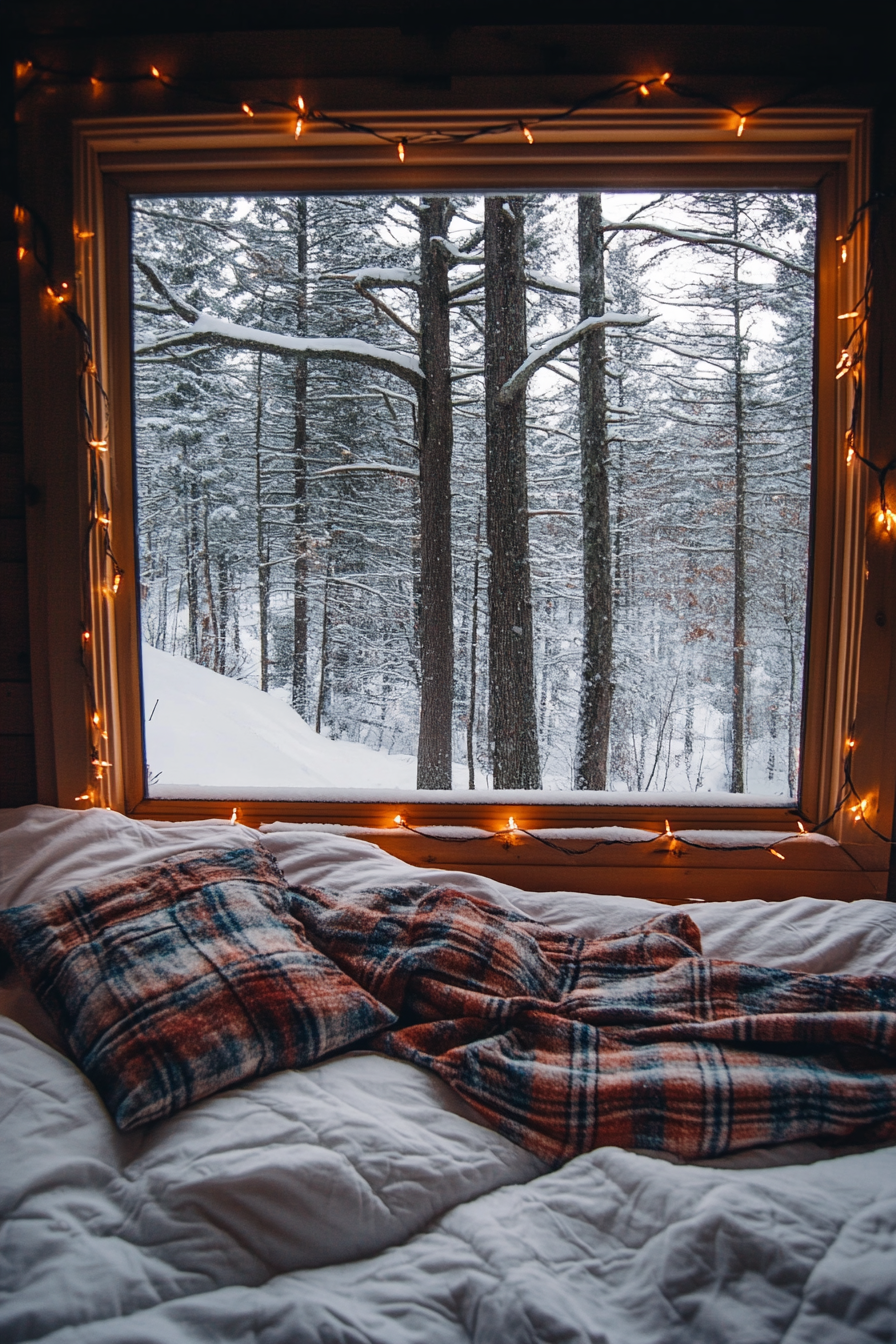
362 1199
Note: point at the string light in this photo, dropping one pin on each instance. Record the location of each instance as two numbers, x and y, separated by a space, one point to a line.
841 317
247 109
643 90
511 825
664 79
401 147
844 363
300 122
740 127
155 72
777 854
527 134
23 252
233 816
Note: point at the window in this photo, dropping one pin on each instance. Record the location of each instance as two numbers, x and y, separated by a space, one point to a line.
793 152
613 420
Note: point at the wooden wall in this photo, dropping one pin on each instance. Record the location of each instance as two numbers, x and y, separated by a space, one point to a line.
18 781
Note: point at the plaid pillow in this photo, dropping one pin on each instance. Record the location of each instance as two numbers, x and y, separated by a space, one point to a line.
174 981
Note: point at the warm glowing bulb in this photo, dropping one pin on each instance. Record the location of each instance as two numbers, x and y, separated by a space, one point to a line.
401 151
23 252
850 743
155 72
802 827
86 636
841 317
511 824
116 583
96 718
101 445
233 817
248 111
94 81
398 819
300 103
740 127
527 134
300 122
664 79
776 854
850 454
843 253
668 827
84 233
643 90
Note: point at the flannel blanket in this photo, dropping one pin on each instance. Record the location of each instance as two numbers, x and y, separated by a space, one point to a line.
566 1044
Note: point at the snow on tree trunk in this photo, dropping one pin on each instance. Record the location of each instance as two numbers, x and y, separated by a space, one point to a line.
512 713
300 472
261 550
593 736
436 619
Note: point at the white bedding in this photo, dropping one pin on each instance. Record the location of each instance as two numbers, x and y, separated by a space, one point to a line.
361 1200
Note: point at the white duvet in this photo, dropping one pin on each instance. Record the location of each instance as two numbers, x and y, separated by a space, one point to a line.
361 1201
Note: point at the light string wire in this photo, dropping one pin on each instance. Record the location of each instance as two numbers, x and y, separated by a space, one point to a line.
511 829
35 240
32 73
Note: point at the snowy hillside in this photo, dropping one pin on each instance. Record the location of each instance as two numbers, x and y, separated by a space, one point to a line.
212 730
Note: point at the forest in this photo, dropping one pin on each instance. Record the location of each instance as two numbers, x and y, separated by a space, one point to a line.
517 486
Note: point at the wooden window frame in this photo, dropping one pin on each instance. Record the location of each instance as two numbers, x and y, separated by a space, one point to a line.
823 150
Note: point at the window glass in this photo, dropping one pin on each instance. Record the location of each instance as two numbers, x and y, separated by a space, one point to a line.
473 492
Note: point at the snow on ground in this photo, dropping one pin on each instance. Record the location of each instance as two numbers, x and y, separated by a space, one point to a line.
212 730
210 736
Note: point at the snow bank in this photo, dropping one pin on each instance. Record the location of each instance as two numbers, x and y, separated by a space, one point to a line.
209 731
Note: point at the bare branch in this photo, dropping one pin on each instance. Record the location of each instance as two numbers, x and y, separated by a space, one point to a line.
389 312
543 354
361 467
712 240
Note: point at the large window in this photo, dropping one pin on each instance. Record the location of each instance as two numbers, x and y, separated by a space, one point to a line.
466 491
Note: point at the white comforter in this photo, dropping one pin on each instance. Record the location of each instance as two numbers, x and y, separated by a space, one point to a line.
361 1200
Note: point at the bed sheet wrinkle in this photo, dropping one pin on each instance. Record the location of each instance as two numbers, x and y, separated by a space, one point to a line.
468 1240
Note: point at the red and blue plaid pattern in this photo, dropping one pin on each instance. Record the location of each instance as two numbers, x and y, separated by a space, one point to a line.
565 1044
181 978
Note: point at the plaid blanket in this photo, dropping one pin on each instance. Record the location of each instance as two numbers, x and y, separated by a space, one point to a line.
566 1044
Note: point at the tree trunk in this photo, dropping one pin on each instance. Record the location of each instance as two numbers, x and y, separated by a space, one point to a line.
436 444
738 679
300 473
593 736
262 567
474 650
324 632
512 715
